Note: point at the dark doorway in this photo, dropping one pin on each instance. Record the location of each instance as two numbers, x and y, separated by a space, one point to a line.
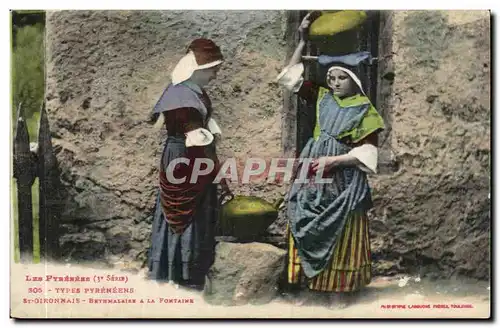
363 38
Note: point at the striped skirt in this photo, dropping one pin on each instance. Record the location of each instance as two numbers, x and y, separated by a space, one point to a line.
350 266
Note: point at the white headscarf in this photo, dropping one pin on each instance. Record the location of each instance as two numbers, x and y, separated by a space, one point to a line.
186 67
351 74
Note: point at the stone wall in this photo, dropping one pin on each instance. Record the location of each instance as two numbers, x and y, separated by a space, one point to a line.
107 69
433 214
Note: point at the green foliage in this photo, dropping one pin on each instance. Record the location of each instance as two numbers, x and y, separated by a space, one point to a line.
28 82
26 12
28 85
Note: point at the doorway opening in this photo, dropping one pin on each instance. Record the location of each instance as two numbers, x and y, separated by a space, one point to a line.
363 38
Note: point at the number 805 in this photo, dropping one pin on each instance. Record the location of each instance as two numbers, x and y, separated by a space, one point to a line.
35 290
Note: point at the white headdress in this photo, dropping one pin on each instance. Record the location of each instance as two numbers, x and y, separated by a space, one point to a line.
351 74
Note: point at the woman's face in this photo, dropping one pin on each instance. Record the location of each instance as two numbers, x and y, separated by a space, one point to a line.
340 82
203 76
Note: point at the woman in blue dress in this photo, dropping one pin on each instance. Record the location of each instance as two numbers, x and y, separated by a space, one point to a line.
183 233
329 243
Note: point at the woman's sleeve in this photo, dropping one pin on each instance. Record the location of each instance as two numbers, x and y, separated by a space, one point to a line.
366 153
187 120
213 127
291 78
